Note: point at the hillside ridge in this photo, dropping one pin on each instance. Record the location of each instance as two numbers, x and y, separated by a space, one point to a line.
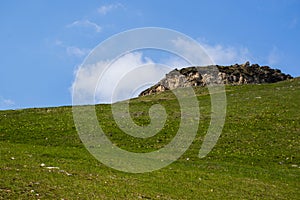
236 74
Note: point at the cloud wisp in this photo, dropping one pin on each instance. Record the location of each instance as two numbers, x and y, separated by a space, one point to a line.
73 50
6 103
85 23
76 51
103 10
218 54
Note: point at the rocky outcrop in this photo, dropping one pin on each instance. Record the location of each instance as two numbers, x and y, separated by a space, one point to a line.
233 74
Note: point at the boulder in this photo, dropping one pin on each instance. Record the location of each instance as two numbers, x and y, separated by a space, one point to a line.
236 74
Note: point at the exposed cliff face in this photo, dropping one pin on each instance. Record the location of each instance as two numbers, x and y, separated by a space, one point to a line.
233 74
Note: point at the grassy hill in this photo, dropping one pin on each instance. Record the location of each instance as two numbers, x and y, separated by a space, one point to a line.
256 157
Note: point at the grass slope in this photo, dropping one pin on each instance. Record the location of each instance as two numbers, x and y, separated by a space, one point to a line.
256 157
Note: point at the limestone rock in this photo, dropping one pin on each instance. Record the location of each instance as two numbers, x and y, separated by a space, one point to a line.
234 74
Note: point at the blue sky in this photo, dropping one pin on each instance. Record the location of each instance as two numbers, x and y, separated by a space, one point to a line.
44 42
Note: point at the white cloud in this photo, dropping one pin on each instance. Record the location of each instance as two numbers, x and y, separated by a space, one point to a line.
123 79
6 103
103 10
175 62
76 51
85 23
217 54
191 51
72 50
227 55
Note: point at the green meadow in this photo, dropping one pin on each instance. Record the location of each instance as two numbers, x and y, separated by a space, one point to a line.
256 157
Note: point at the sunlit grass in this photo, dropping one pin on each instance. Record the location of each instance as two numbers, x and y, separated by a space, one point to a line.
256 157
